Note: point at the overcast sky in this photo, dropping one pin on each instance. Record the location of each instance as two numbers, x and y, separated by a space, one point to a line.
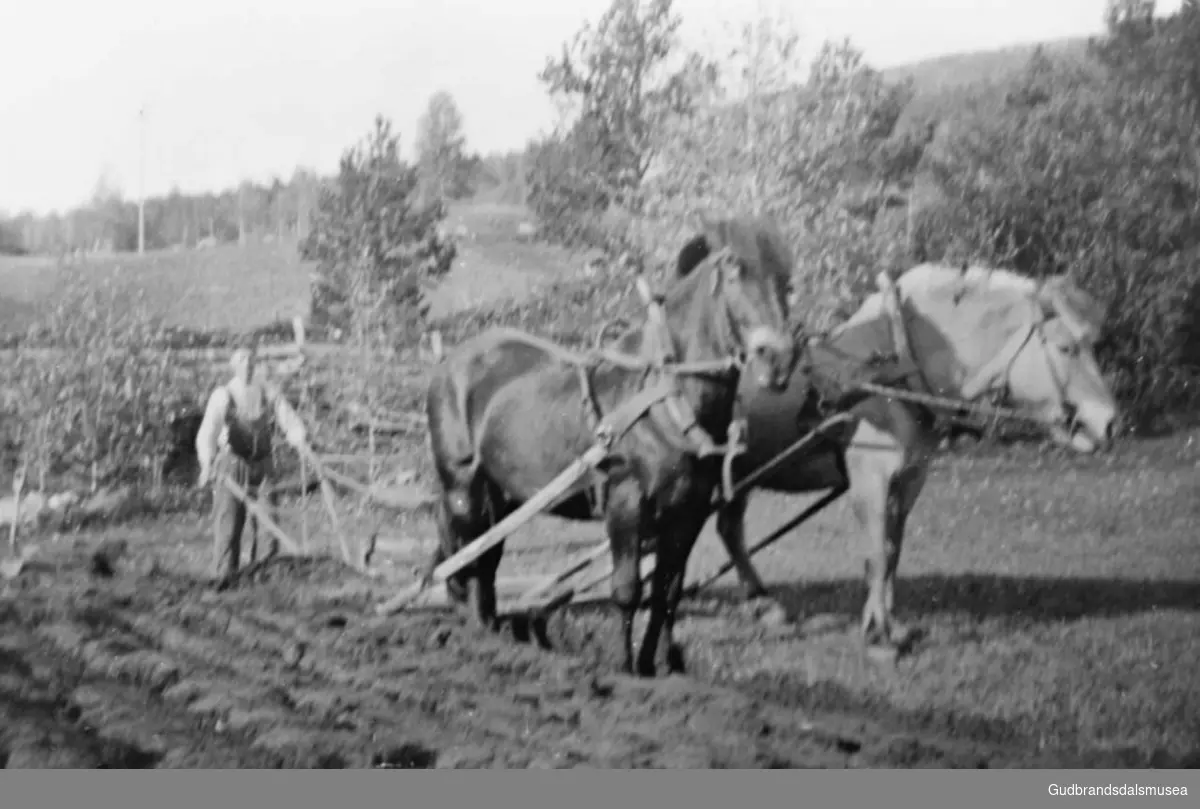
239 89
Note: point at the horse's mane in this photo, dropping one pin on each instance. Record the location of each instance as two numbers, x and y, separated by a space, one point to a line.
994 284
755 239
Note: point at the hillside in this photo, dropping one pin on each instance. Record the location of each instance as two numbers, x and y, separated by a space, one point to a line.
955 70
944 84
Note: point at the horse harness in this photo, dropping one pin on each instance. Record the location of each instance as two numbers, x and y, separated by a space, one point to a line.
663 390
1000 367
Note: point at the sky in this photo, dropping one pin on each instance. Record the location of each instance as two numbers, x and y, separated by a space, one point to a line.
247 89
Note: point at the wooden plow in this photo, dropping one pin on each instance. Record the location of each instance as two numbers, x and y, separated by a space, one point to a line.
581 577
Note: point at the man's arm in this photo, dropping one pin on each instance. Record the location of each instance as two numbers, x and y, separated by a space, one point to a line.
210 431
286 417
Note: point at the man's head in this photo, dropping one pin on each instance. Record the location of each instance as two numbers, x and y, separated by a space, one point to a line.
243 361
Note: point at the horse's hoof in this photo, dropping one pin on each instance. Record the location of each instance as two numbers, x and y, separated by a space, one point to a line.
520 629
675 663
541 633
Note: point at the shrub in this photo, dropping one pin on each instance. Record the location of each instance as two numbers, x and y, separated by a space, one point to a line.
96 407
1074 173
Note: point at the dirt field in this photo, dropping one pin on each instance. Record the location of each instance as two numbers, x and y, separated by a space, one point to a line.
151 669
1058 601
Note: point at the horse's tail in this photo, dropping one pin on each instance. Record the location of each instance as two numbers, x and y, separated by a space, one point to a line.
451 438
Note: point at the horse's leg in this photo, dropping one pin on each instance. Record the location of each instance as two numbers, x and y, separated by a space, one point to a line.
449 540
905 489
675 548
664 569
481 578
869 502
881 499
461 518
731 528
626 518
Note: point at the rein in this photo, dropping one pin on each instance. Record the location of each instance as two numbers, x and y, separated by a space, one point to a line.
695 439
1006 357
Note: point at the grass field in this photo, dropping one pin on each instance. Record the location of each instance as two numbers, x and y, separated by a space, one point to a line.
1057 599
235 288
226 287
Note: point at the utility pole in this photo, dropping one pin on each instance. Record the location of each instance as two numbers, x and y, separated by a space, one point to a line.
142 180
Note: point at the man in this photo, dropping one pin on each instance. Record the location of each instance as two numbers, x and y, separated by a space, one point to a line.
236 434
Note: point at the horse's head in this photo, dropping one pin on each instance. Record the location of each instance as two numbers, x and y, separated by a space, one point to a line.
1031 342
744 265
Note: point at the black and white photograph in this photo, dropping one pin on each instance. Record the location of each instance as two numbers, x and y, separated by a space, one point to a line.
603 384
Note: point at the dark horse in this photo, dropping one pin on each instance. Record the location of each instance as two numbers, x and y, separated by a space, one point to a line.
509 412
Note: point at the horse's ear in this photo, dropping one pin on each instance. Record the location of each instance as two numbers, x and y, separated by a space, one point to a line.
774 247
694 251
1079 312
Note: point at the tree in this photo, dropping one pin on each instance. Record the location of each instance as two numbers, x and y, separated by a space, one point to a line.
442 160
616 83
825 159
1094 170
375 242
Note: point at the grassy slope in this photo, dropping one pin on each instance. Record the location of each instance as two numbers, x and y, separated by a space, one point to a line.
226 287
492 264
230 287
941 73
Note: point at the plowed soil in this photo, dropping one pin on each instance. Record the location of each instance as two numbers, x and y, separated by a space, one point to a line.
1058 631
152 667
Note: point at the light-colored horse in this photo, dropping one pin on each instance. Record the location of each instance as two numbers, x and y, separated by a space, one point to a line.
969 333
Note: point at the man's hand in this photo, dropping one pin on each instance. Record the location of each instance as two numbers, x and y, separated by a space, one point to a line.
297 436
205 477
